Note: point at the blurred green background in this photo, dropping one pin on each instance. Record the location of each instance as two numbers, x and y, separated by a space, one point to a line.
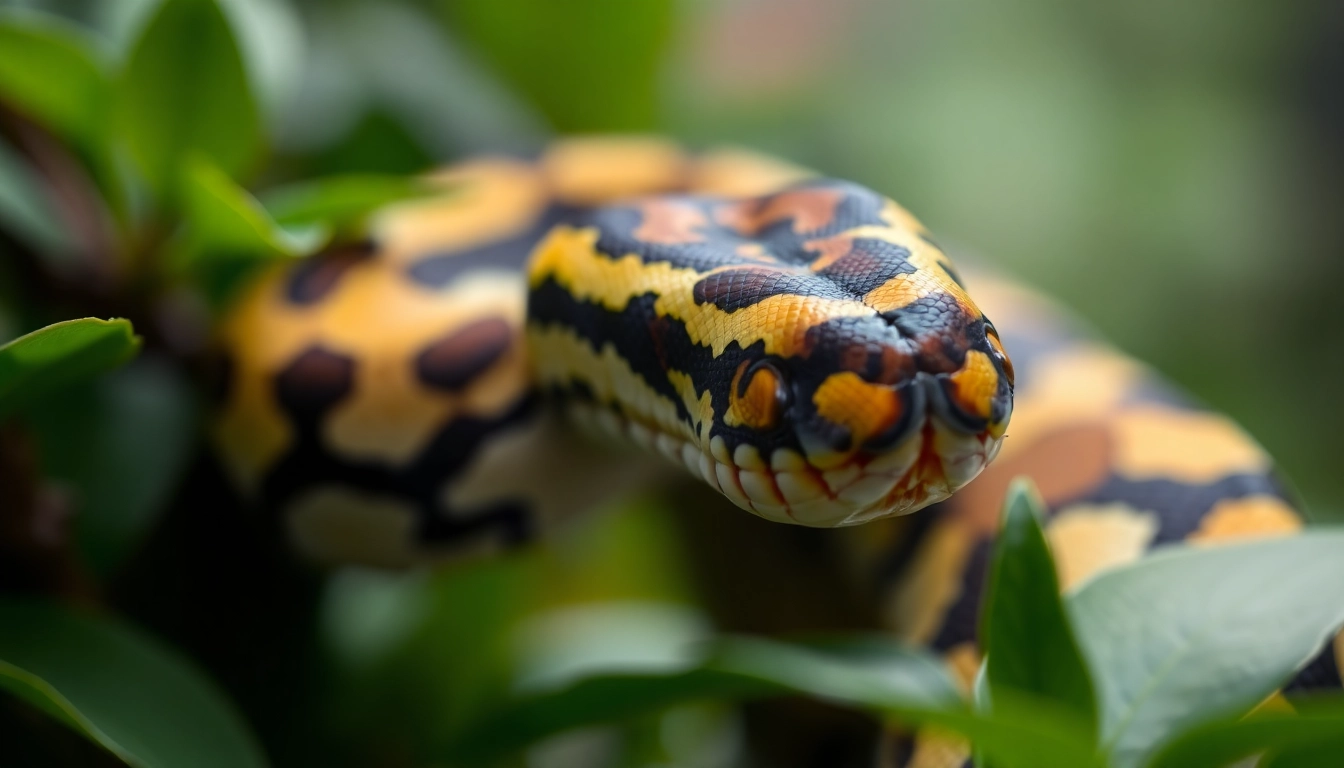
1169 170
1174 172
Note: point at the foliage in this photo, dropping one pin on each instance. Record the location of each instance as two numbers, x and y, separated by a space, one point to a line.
129 693
1042 711
154 153
60 355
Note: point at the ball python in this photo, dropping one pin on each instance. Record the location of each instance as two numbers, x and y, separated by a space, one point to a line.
800 344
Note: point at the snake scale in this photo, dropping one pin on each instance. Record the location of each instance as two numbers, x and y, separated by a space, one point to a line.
802 345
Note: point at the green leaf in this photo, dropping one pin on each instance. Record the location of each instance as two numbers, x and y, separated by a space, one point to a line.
184 90
1029 644
874 675
59 355
340 202
119 444
1193 633
51 72
225 222
1312 736
126 691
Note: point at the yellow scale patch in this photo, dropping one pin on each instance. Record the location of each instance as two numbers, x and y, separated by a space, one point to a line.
389 415
864 409
1248 517
781 322
976 383
1154 441
1089 538
560 355
485 200
592 170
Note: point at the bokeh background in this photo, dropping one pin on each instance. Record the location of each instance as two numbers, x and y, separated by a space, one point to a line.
1172 171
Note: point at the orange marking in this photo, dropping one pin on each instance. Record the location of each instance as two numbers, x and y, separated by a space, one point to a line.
976 383
758 406
592 170
1154 441
831 249
1088 538
810 209
486 200
1249 517
670 223
864 409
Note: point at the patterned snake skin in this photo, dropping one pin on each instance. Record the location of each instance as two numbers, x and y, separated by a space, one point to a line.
801 345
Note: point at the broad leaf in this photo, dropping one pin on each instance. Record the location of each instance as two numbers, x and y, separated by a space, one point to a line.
52 73
1312 736
59 355
225 222
877 676
1190 634
1029 644
342 201
125 691
118 444
184 90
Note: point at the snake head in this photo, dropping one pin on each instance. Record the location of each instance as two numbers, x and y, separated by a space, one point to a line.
811 353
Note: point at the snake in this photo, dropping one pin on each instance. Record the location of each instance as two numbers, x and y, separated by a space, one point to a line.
551 329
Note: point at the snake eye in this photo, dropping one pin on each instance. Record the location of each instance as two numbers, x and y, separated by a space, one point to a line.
759 395
992 334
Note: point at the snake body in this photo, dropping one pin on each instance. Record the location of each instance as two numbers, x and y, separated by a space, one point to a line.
799 344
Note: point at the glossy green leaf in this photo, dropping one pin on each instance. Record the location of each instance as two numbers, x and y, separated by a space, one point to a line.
877 676
225 222
340 202
1190 634
52 72
118 445
185 91
54 357
126 691
1030 646
1311 736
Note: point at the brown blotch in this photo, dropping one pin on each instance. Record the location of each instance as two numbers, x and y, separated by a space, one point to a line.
315 381
315 278
1064 465
452 362
670 223
829 250
735 289
810 209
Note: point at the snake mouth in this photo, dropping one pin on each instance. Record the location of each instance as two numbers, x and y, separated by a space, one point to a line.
929 465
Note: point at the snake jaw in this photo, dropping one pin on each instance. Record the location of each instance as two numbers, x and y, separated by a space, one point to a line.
929 466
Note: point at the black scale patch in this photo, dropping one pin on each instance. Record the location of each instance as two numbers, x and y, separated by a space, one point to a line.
454 361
